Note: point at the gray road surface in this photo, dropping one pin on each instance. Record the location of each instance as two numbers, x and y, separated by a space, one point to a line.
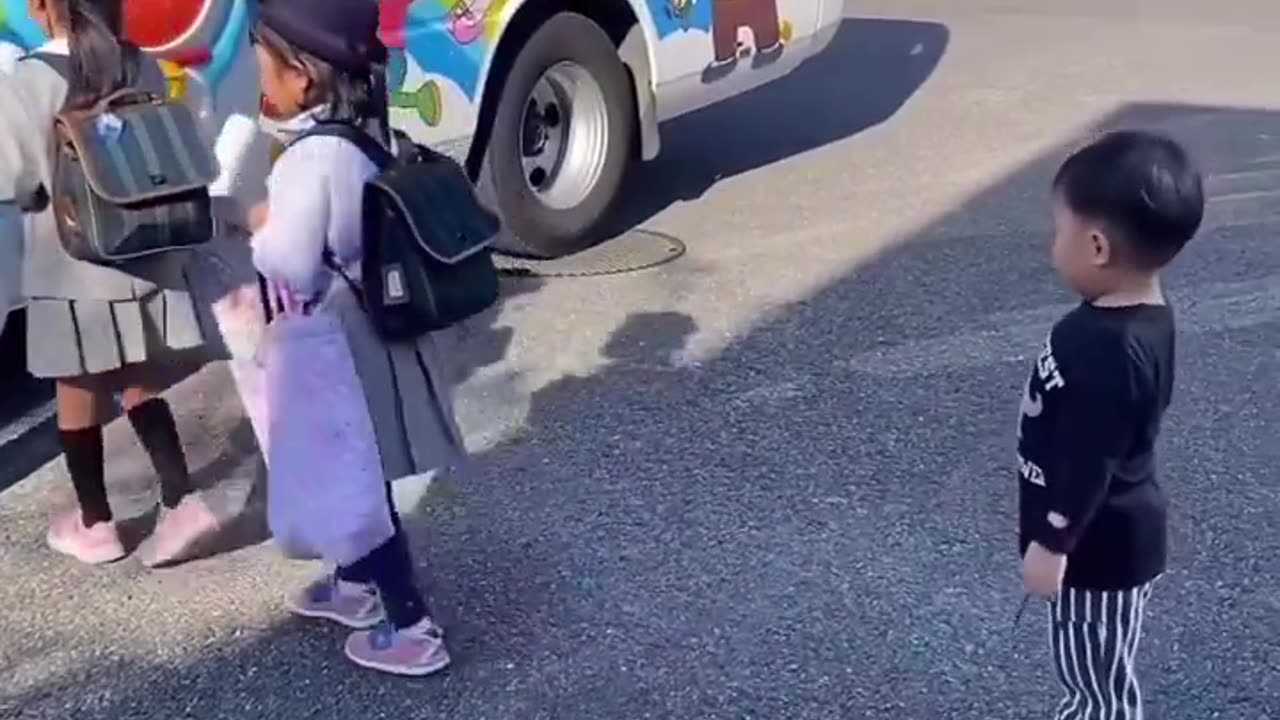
774 480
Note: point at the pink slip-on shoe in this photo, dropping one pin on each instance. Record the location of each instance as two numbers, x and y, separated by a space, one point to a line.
96 545
179 533
349 604
414 651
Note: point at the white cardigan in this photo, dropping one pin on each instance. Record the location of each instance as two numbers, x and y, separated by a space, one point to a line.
314 196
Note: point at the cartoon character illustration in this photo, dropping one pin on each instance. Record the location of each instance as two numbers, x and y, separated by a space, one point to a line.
467 20
161 24
187 35
680 12
17 29
728 17
194 39
425 100
7 36
11 48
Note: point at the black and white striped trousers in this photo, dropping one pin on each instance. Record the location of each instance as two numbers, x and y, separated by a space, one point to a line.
1094 636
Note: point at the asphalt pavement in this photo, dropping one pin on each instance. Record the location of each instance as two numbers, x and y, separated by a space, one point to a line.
774 479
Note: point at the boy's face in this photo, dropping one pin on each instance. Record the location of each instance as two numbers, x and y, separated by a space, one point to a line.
1082 252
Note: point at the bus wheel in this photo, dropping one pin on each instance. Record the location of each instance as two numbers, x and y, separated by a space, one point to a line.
562 139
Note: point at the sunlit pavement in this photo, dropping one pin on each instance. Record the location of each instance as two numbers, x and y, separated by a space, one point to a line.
774 479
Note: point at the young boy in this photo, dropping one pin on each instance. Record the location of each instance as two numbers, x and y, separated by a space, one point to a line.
1092 514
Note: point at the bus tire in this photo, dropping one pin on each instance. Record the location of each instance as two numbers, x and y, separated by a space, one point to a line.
562 139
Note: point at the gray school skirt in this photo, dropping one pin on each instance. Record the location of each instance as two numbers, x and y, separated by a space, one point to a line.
70 338
409 388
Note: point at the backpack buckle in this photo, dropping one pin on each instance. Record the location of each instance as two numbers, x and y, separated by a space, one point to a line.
393 285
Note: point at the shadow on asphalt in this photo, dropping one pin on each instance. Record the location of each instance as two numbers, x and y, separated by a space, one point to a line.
781 532
25 396
869 71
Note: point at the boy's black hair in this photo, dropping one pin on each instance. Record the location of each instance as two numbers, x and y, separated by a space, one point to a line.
358 97
1142 186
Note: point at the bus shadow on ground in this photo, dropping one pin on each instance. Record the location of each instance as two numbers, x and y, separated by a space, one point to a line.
869 71
817 523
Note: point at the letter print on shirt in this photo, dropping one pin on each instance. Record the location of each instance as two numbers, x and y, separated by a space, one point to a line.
1048 376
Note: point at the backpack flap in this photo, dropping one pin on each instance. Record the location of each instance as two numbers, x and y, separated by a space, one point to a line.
426 264
136 148
436 201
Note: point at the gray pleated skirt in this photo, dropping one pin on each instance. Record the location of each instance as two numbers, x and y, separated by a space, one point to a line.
70 338
409 388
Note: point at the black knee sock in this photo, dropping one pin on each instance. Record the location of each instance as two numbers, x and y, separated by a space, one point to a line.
83 450
153 422
390 569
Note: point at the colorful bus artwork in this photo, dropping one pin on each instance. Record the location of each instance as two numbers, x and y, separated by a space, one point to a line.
547 102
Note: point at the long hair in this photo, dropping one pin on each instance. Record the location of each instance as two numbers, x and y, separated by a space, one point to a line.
355 97
102 62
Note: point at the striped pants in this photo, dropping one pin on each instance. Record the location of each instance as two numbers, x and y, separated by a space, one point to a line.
1094 637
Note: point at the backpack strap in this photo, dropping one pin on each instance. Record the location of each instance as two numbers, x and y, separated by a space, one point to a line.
381 157
60 64
372 149
150 78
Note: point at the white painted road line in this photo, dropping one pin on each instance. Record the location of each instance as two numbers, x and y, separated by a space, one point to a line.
29 421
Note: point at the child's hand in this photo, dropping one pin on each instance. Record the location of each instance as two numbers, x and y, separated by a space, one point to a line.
258 216
1042 571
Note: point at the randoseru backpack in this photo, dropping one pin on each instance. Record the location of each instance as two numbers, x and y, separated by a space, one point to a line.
130 175
427 263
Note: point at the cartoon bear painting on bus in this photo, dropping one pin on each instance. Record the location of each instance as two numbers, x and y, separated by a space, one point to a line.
728 18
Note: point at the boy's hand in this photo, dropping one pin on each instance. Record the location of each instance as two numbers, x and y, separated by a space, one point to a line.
1042 571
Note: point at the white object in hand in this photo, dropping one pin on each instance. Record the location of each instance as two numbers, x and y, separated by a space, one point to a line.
232 150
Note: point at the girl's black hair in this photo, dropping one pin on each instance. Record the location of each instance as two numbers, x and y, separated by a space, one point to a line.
349 96
102 62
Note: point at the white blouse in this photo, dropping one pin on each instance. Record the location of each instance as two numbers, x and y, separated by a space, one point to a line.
26 116
314 196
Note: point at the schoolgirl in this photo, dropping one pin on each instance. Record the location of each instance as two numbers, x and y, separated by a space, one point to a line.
98 331
321 60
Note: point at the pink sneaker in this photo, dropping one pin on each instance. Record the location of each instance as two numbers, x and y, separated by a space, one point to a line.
97 545
413 651
350 604
179 532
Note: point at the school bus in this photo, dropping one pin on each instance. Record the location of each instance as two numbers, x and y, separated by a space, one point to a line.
545 102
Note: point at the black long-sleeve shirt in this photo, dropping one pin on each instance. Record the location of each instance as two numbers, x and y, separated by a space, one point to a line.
1090 416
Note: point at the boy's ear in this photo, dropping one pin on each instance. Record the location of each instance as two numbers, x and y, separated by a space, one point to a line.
1100 248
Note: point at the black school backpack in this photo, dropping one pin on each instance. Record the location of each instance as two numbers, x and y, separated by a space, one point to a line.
130 176
427 262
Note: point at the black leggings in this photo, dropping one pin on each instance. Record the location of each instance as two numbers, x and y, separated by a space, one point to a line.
389 568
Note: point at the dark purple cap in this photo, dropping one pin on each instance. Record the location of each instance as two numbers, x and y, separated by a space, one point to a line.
341 32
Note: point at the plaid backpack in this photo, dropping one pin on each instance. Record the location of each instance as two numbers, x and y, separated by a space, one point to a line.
426 239
130 175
